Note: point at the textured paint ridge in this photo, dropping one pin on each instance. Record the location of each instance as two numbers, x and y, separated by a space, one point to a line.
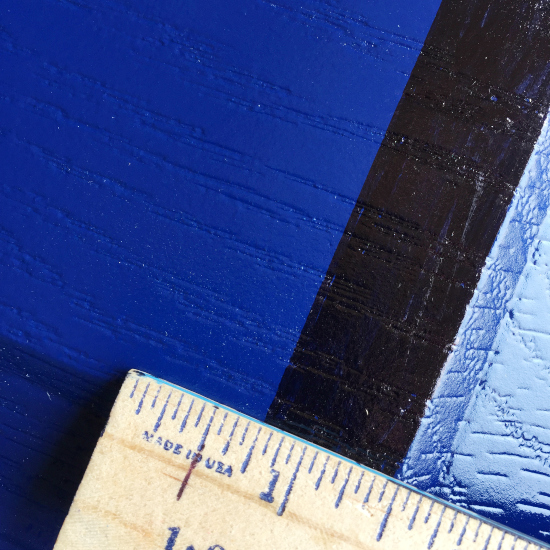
484 441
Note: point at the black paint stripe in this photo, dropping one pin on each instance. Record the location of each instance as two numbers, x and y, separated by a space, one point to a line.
406 267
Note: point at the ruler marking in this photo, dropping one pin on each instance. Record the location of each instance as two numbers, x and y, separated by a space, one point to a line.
514 545
200 415
228 442
134 389
488 539
274 459
383 491
184 421
359 483
406 501
335 472
249 454
477 530
177 407
501 539
244 433
322 474
290 452
207 429
138 410
451 527
222 424
267 443
463 532
291 484
341 493
174 532
268 495
312 462
161 415
386 515
436 530
413 518
429 512
155 399
367 496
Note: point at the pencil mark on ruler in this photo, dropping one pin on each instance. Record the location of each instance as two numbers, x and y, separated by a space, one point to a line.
184 421
249 454
341 493
228 442
161 415
291 484
138 410
386 515
194 462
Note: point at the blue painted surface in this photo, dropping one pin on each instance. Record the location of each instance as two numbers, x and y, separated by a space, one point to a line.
175 179
483 442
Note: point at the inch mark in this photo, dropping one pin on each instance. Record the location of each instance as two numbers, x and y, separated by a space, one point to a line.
267 443
413 518
291 484
134 389
249 454
321 474
177 407
274 459
200 415
228 442
436 530
222 424
386 515
335 472
138 410
244 433
184 421
341 493
161 415
367 496
155 399
268 495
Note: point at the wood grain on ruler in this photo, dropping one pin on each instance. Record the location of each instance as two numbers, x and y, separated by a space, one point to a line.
172 471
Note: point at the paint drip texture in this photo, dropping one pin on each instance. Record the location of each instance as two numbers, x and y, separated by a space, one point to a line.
484 442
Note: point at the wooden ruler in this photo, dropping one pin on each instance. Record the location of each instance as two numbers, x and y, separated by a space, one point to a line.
175 471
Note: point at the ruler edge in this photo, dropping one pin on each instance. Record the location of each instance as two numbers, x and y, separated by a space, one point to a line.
474 515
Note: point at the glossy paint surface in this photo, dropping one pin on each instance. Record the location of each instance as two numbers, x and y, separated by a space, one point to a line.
175 180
